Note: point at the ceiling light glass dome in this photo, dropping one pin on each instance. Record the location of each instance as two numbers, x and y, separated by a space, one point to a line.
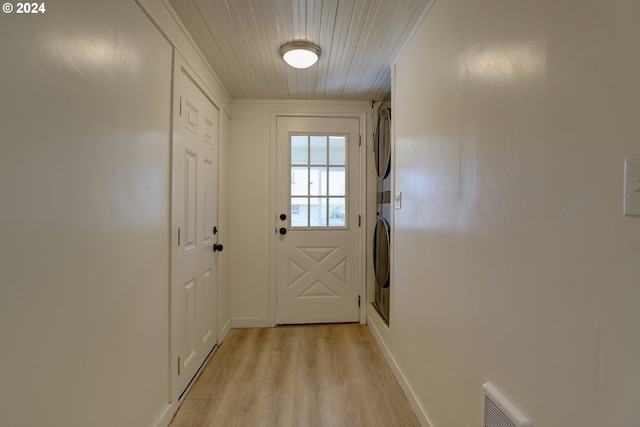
300 54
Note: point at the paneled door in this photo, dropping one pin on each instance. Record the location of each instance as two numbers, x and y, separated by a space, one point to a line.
194 216
317 220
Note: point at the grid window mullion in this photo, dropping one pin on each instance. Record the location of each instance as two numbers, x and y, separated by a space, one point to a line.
324 192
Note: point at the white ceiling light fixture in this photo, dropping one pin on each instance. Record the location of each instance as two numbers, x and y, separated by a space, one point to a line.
300 54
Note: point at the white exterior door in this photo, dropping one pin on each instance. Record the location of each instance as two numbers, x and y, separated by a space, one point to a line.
194 216
317 220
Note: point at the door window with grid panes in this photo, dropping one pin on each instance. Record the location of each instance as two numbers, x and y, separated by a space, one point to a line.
318 196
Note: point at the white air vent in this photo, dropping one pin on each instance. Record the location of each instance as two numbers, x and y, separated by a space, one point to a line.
499 411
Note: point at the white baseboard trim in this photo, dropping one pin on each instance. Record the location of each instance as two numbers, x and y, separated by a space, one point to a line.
375 323
166 416
250 323
172 408
224 331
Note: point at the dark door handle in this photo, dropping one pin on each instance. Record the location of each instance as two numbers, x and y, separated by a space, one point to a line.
283 217
283 231
217 247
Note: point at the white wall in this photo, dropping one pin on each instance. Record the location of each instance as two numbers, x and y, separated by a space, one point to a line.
224 226
84 184
84 213
252 222
513 262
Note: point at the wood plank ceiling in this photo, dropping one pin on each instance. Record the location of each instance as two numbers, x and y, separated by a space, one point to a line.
359 39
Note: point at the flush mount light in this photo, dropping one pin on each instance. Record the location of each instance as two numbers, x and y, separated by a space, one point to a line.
300 54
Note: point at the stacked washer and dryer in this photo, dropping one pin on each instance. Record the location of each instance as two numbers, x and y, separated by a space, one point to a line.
382 233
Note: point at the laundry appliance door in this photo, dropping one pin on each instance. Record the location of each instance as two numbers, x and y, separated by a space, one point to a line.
382 265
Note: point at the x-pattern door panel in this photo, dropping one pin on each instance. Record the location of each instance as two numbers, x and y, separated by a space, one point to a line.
317 272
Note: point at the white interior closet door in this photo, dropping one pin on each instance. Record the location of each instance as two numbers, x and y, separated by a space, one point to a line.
194 217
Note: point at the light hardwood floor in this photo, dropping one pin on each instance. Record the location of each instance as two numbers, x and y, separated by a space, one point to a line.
297 376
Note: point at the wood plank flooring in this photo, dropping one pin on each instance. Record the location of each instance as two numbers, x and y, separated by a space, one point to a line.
297 376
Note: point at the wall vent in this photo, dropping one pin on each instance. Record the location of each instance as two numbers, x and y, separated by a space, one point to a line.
499 411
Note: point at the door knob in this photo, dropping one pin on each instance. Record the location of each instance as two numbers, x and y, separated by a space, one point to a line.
217 247
283 217
283 231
